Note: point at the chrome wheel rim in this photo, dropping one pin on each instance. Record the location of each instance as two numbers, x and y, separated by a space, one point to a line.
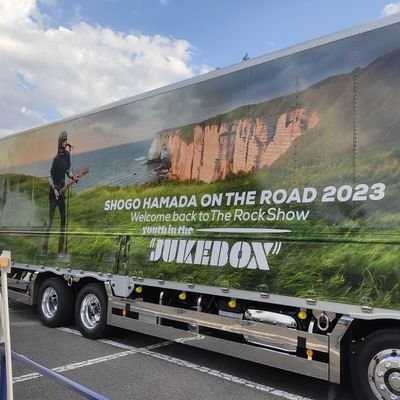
384 374
49 302
90 311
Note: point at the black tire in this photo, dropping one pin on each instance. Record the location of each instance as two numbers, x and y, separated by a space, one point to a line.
375 369
55 303
91 311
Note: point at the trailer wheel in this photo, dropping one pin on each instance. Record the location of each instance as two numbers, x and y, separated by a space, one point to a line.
55 302
376 369
91 311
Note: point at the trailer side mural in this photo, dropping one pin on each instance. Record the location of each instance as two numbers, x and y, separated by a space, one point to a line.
281 178
252 211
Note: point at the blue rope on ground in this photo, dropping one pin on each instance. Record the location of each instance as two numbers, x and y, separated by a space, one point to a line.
58 378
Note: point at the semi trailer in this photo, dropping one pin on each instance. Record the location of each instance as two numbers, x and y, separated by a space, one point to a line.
249 211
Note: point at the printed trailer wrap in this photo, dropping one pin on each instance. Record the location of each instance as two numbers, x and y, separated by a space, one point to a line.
279 177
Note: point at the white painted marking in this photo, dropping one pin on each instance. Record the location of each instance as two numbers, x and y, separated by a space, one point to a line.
26 377
129 350
228 377
69 367
127 347
72 331
81 364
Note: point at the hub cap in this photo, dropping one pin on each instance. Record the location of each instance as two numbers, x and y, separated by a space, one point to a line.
49 302
384 374
90 311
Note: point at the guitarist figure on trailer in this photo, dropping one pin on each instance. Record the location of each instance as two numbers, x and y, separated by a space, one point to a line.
60 167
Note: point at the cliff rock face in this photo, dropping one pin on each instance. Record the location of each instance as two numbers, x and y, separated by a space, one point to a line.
240 146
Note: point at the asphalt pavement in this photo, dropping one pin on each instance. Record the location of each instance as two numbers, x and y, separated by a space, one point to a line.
128 365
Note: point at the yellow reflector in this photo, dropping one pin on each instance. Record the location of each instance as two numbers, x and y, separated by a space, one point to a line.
302 315
138 289
232 303
309 353
123 312
182 296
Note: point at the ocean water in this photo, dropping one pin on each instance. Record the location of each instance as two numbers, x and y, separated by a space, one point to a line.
122 165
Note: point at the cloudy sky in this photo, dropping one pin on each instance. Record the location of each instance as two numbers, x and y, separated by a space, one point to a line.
61 57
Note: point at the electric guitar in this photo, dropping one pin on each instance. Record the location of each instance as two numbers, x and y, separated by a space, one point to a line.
81 173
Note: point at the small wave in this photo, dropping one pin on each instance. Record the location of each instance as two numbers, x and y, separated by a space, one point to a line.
141 158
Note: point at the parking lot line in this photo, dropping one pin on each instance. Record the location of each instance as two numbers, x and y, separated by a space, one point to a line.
129 350
186 364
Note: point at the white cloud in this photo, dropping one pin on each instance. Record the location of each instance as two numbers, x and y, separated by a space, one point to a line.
390 9
32 113
73 69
